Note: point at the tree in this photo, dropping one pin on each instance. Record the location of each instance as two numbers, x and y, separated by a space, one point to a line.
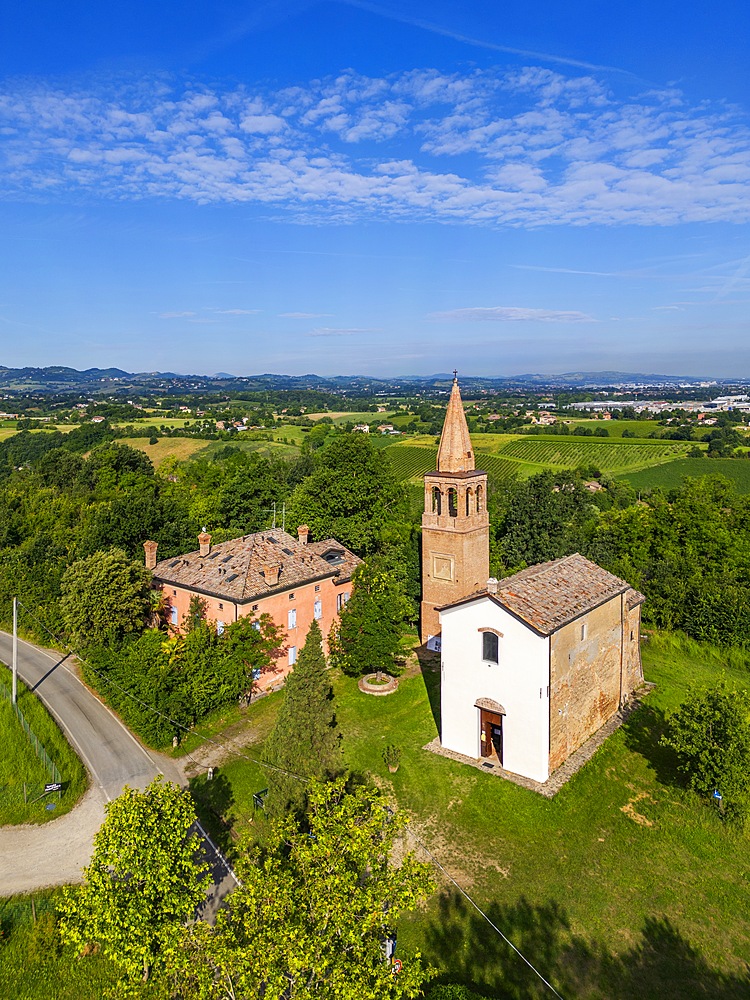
710 733
143 883
372 624
106 595
305 738
313 911
350 495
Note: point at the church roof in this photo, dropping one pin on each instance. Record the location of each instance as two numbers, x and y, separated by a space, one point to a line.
236 570
552 594
455 453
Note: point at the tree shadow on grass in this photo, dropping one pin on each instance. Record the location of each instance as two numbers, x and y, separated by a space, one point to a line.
429 664
642 732
661 965
213 801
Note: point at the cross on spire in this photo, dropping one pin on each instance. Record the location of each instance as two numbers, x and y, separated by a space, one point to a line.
455 375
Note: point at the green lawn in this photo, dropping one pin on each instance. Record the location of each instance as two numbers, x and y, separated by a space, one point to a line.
670 476
623 884
33 966
19 764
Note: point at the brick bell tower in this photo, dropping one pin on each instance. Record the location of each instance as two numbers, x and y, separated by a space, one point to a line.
455 523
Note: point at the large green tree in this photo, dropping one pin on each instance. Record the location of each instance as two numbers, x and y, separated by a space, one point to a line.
105 596
313 910
305 738
710 733
144 882
350 495
372 624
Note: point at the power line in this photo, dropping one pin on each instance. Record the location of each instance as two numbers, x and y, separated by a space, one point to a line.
479 910
298 777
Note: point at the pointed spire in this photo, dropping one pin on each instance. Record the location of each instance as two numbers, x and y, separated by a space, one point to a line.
455 453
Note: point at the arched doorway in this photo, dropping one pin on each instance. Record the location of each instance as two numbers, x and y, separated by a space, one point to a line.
491 715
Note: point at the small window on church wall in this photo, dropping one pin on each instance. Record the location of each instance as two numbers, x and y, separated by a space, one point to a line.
583 632
452 503
437 501
469 499
480 499
490 647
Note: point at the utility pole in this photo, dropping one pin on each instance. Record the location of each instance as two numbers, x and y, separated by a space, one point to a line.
14 695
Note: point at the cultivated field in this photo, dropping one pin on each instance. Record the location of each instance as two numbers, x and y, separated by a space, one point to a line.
671 475
508 456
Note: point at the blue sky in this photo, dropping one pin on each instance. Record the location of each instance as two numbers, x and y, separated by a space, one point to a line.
376 188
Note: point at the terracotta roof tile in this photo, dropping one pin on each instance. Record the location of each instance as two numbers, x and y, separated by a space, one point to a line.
336 556
237 569
552 594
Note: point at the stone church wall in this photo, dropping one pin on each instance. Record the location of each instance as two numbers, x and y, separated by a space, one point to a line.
584 678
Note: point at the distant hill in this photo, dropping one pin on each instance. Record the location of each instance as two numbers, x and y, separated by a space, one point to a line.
110 381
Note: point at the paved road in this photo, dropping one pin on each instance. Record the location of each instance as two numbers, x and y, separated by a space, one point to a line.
34 857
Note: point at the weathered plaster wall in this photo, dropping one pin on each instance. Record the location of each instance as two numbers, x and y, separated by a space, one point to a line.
519 682
278 607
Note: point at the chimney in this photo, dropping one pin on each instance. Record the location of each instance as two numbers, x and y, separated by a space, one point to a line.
204 540
150 548
492 585
303 534
271 573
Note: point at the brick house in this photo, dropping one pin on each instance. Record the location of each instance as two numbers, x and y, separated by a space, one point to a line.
269 572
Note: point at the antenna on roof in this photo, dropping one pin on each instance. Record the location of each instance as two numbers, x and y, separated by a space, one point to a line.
274 515
283 517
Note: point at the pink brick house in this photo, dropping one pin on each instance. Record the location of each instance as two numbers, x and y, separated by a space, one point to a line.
293 580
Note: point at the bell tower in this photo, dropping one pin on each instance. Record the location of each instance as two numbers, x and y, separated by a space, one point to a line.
455 523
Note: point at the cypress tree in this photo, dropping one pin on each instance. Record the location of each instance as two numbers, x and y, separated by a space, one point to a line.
305 739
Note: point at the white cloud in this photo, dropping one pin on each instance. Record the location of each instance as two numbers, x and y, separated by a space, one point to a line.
301 315
327 331
237 312
513 314
176 315
523 148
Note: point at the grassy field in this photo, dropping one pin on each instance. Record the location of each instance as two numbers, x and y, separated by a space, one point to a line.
641 428
671 475
33 966
19 764
625 884
168 447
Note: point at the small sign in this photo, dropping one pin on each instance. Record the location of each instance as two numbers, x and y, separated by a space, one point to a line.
53 786
717 795
397 965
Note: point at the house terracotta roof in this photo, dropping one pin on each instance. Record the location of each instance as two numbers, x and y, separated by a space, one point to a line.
241 570
336 556
552 594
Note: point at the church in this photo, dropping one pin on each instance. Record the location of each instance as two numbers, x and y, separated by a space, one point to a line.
531 665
